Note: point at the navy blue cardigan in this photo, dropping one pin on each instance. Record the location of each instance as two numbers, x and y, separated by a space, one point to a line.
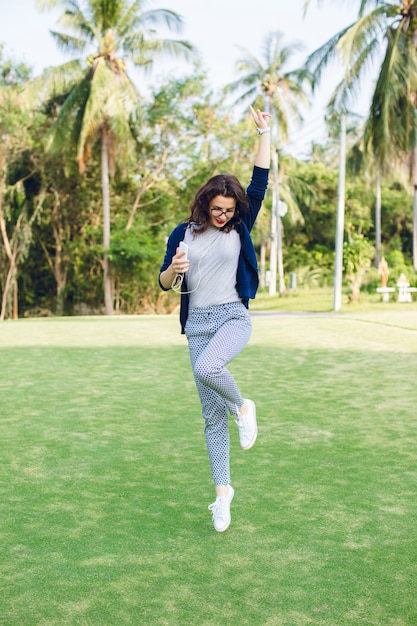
247 280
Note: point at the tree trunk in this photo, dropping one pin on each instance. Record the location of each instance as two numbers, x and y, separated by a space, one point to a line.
276 262
7 286
281 281
11 256
14 245
377 218
108 299
273 253
415 212
340 219
60 272
15 299
262 265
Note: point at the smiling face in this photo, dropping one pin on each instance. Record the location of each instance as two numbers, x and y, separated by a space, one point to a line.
222 209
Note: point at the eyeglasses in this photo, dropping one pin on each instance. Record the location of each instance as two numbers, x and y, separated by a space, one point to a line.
219 212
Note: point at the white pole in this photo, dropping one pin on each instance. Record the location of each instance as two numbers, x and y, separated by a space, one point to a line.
274 210
280 261
340 219
273 250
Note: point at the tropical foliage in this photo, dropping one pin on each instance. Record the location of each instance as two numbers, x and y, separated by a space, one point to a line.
274 87
99 101
158 151
387 32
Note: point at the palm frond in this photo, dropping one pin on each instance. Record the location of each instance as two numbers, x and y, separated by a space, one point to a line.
65 129
347 89
146 51
53 81
268 83
248 64
107 15
367 3
130 20
293 190
76 21
46 5
392 122
318 60
67 43
165 17
352 46
104 99
369 27
112 101
287 195
275 53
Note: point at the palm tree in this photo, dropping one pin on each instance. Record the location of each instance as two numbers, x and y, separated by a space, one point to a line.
388 32
100 100
272 87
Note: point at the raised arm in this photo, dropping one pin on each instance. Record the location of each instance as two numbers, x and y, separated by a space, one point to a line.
261 119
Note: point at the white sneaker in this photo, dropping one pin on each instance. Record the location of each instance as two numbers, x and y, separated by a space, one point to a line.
248 428
220 510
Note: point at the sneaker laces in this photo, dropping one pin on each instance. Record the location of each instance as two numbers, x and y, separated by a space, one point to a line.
243 422
219 508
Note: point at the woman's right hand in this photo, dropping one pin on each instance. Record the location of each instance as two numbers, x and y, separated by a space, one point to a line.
180 264
261 118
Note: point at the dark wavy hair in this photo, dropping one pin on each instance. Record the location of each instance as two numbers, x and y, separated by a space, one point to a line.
220 185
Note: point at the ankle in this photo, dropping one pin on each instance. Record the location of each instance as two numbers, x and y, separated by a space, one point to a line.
222 490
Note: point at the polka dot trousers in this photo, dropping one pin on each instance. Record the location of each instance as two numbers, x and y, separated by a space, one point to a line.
216 334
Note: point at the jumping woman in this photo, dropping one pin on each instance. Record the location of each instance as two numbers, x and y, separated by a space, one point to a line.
216 271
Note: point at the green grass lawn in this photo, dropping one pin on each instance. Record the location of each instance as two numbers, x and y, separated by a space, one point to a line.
321 299
105 481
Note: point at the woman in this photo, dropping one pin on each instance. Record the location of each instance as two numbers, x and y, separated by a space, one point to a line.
217 273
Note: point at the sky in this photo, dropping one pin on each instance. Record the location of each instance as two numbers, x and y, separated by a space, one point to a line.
219 29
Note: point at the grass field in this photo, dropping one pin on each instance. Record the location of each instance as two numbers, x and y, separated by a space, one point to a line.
105 481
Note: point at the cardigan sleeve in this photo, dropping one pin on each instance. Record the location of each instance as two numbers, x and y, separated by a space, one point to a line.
175 237
256 193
